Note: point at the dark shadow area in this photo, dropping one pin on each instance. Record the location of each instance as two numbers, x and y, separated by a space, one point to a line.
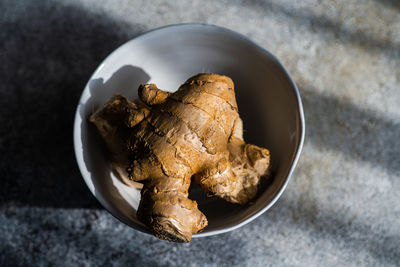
390 3
48 52
356 234
337 124
330 29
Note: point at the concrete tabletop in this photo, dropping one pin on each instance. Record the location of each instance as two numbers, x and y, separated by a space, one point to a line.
342 206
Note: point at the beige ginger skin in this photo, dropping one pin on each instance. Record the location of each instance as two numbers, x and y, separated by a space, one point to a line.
166 140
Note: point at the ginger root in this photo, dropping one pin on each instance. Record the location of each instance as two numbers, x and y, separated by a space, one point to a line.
165 139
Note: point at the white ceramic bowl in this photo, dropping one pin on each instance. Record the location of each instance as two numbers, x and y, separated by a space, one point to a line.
269 104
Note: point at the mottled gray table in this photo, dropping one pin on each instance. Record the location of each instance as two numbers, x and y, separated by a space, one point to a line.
342 206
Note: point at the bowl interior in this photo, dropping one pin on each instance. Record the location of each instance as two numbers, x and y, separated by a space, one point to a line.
267 99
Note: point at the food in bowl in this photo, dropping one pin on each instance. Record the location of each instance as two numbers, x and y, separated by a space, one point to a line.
166 140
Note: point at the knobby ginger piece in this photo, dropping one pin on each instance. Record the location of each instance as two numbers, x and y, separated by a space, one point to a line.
165 139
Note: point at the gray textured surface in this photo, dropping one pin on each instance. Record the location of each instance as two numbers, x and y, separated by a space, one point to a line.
342 206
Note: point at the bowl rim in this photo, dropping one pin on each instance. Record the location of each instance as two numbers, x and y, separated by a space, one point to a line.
77 131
